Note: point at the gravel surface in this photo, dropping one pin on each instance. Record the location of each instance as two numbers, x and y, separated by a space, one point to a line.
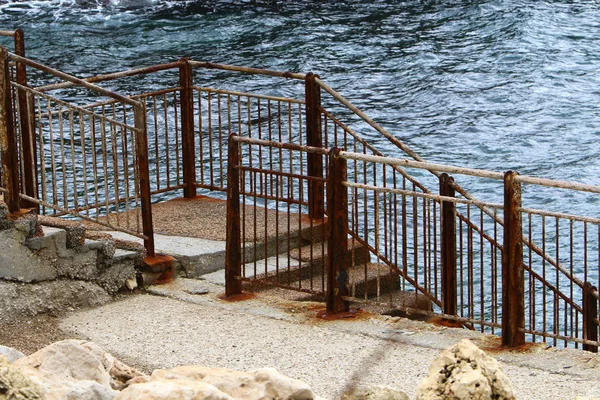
204 217
176 327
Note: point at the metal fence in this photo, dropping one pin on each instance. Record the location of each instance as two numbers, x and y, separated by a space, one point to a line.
271 239
517 278
104 155
70 160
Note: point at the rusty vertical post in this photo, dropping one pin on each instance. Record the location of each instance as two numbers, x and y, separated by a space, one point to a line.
141 136
316 191
28 142
448 255
233 246
337 244
8 141
590 314
187 129
513 277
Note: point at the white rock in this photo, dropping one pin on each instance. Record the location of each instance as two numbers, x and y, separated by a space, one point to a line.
375 392
264 383
131 283
172 389
119 372
78 390
463 371
67 359
14 385
10 353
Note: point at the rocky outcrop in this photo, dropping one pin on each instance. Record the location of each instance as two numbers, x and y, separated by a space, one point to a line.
463 372
80 370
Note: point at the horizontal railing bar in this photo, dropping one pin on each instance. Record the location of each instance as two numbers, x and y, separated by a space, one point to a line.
70 106
115 75
570 217
137 96
247 70
73 79
468 171
251 95
421 195
421 165
7 33
557 184
211 187
559 337
167 189
78 215
272 197
280 145
278 173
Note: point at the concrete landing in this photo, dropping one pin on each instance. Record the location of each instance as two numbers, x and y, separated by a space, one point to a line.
175 326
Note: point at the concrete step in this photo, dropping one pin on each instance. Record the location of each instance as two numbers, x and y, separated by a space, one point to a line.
195 257
122 255
367 280
316 253
74 229
50 237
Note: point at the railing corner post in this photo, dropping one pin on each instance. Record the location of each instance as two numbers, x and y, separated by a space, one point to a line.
25 111
337 245
187 129
448 256
8 140
144 176
233 244
316 190
590 315
513 278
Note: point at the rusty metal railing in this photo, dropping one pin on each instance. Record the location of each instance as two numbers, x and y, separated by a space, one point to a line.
270 238
512 290
87 164
120 149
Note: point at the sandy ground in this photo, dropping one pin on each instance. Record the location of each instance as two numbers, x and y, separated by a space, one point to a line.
171 326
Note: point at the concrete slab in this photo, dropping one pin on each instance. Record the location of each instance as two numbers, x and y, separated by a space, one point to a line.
194 256
184 329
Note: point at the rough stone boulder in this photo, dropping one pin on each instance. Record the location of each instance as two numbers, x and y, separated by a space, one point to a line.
172 389
375 392
76 369
80 370
11 354
462 372
264 383
14 385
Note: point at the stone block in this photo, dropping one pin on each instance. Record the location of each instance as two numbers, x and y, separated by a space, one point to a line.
19 263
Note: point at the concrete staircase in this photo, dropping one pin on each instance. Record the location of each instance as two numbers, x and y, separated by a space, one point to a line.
304 266
40 249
